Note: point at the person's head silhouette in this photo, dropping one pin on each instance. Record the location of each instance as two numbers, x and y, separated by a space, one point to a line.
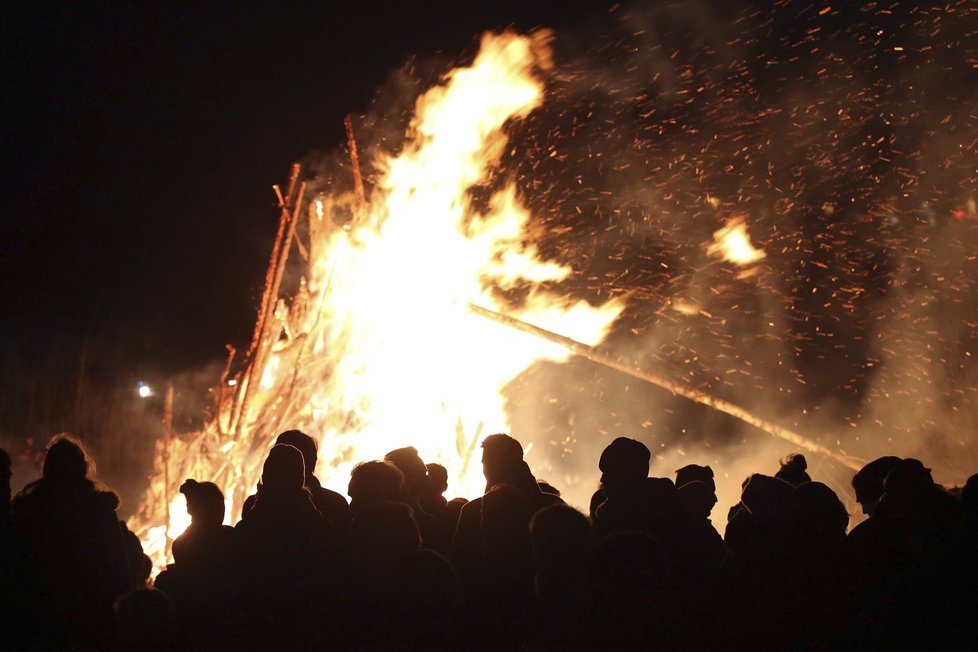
868 482
205 502
305 444
374 481
437 478
624 461
412 466
696 500
794 470
908 482
695 473
284 469
502 456
66 461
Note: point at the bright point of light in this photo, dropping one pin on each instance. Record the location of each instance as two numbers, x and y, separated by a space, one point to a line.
145 391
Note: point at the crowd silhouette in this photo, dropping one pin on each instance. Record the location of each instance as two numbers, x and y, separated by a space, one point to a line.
400 566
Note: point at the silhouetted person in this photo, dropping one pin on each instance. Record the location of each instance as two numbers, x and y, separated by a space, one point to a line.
561 538
289 555
206 539
76 546
502 464
197 580
809 582
145 620
444 512
501 585
753 576
426 600
697 550
624 465
561 541
794 470
18 592
432 498
373 482
969 495
695 473
868 482
382 533
969 575
755 532
330 504
415 484
629 585
406 597
816 519
905 564
628 499
495 534
506 540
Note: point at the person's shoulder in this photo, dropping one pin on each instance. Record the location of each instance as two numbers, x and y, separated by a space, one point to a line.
552 499
248 504
474 506
865 531
329 496
107 500
23 502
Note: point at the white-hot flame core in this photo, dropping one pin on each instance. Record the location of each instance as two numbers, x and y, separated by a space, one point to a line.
732 243
389 354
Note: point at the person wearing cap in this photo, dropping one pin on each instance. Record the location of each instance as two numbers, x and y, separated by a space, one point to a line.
624 464
630 500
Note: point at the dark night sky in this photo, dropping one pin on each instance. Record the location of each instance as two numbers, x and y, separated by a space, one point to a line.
141 140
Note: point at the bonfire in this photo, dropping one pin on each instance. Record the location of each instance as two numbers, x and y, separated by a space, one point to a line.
403 330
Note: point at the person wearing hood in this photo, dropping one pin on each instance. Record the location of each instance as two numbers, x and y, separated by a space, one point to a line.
284 524
330 504
77 547
288 555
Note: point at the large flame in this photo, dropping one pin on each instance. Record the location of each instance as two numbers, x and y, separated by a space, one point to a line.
380 349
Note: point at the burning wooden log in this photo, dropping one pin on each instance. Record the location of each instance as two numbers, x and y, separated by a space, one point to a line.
167 438
590 353
261 341
355 165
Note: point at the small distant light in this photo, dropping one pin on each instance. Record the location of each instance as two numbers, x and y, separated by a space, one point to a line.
232 382
144 390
